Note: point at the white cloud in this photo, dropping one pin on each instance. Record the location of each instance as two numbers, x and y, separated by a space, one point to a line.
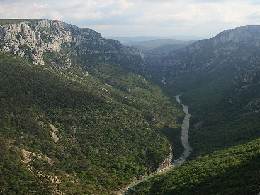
141 17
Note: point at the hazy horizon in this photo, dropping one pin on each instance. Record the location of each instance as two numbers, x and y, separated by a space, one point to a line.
141 18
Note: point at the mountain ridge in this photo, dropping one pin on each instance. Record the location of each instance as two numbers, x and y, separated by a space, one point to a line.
67 44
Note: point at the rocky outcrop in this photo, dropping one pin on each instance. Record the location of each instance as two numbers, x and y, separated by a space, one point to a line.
33 39
62 45
28 157
164 167
54 133
167 163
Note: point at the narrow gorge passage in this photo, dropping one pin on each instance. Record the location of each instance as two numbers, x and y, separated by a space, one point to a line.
186 153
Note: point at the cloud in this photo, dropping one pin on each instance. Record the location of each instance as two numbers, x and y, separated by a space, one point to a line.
141 17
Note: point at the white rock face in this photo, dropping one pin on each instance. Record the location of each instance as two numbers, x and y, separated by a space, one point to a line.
62 45
34 38
28 156
54 133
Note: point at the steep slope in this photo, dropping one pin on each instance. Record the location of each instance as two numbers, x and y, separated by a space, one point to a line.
231 171
219 79
77 129
74 118
233 49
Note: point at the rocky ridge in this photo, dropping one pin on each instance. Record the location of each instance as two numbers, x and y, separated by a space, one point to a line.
235 50
32 39
62 45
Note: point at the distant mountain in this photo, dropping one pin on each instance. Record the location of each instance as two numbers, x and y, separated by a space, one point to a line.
154 46
132 40
158 43
167 48
156 49
138 39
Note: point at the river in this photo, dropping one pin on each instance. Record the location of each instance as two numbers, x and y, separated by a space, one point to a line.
186 153
184 134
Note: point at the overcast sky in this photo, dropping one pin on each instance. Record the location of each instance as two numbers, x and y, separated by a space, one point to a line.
200 18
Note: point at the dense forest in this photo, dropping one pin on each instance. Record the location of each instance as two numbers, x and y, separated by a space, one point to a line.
234 170
65 130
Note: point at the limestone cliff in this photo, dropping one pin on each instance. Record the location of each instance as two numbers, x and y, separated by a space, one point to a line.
61 44
32 39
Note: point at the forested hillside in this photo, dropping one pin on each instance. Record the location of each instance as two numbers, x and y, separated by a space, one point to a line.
219 80
83 133
75 118
231 171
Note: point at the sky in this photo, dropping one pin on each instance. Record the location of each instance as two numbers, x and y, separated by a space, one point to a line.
161 18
